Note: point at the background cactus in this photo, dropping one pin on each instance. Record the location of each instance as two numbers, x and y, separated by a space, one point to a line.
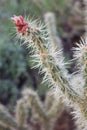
46 113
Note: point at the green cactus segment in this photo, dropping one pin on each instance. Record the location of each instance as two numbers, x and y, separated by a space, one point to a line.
36 38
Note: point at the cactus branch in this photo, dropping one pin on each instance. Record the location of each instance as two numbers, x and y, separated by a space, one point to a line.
36 38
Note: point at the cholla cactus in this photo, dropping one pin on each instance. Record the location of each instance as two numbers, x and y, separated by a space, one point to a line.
46 113
7 121
36 38
50 62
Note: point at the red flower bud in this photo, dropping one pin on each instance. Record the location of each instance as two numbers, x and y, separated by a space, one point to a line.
20 23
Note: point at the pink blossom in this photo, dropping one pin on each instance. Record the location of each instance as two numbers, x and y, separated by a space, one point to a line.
20 23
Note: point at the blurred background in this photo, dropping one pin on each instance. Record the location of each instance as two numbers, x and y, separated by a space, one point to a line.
65 20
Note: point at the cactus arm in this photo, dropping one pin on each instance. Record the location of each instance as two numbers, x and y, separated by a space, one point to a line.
36 38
